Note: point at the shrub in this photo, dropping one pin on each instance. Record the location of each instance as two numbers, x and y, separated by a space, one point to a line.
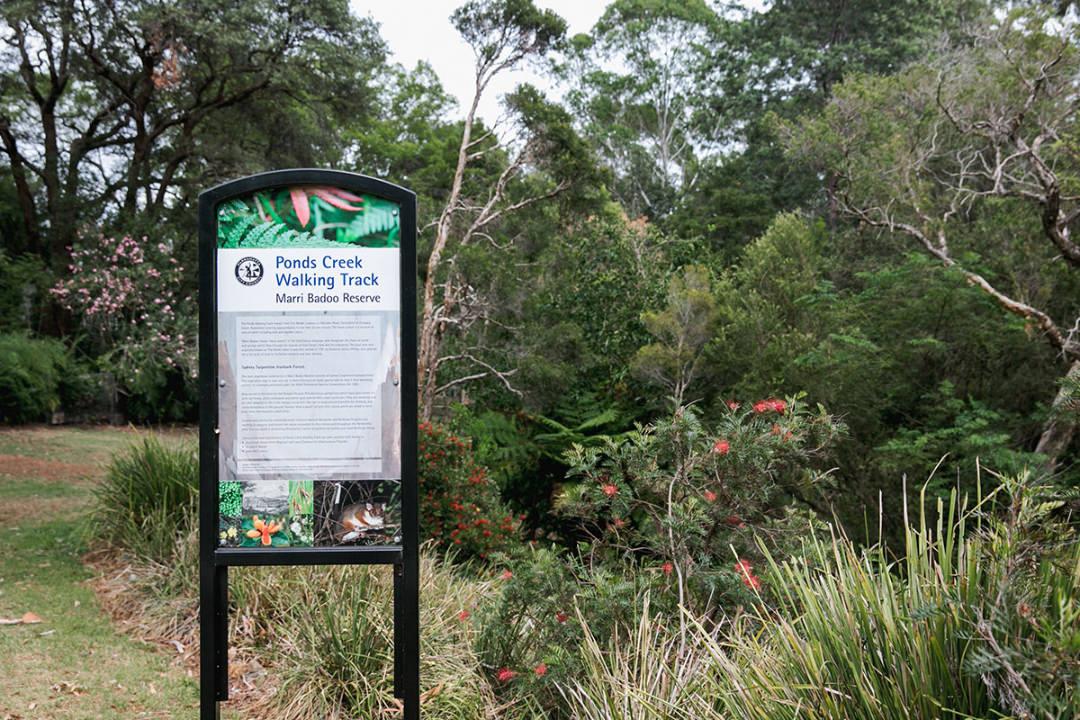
529 634
147 500
460 506
24 282
128 295
686 501
979 620
31 372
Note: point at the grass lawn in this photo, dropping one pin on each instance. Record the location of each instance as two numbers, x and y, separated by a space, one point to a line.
74 664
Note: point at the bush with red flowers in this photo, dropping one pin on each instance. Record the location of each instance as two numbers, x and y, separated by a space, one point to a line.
529 633
460 506
685 500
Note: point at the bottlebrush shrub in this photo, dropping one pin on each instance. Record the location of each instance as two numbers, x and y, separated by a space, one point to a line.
530 636
460 506
686 501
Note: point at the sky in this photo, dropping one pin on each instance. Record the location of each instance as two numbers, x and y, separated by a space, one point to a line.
421 30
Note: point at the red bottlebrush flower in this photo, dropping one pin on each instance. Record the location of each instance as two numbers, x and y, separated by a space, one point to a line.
561 617
667 568
610 490
746 574
505 675
506 575
773 404
710 496
732 405
540 670
721 447
463 615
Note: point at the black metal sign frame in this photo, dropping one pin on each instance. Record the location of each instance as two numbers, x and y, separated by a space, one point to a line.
214 561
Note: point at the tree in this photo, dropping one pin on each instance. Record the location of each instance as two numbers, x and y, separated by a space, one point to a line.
636 88
113 109
785 59
974 158
681 330
544 159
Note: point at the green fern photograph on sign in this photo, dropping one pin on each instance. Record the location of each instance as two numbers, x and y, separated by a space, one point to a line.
307 216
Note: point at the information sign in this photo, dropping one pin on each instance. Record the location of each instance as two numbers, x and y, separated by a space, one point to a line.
308 374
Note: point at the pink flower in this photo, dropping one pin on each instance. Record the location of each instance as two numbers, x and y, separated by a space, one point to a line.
721 447
540 670
732 405
609 490
463 615
506 575
710 496
505 675
667 568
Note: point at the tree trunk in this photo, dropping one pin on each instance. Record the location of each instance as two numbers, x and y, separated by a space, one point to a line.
1058 432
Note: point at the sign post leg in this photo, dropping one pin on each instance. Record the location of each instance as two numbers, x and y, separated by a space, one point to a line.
411 633
213 639
399 631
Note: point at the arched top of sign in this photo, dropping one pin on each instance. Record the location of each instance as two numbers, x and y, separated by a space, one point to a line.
304 176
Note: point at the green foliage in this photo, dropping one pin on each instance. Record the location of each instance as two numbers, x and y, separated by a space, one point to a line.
135 80
129 297
546 606
637 91
978 620
681 330
585 423
678 496
957 432
24 284
874 337
507 31
498 442
584 317
460 507
32 373
146 503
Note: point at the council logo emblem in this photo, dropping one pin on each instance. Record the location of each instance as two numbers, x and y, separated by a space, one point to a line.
249 270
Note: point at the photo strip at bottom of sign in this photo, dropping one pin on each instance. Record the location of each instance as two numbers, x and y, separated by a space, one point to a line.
307 513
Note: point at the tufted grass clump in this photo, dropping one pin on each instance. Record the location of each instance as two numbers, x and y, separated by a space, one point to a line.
146 503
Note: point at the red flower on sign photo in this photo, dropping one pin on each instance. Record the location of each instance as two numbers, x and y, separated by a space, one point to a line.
337 197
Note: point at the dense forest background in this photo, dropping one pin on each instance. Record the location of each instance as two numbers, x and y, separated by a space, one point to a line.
869 207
